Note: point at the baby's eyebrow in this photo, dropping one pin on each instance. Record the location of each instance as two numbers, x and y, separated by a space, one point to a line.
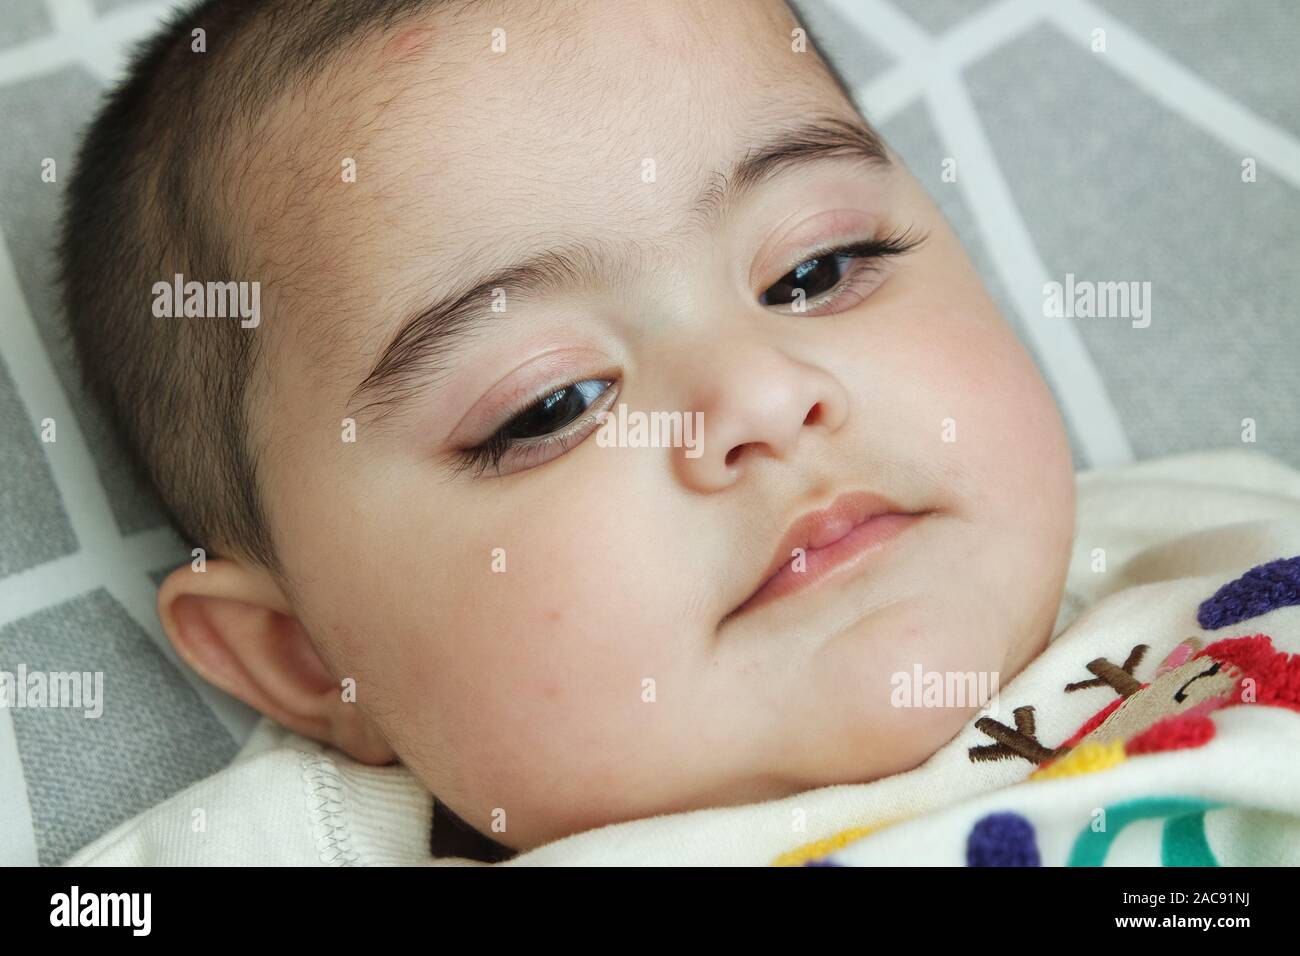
412 356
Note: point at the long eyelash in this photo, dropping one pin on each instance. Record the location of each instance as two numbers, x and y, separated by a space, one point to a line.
897 243
866 254
488 454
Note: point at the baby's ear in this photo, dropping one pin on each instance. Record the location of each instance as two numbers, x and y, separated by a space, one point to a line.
231 623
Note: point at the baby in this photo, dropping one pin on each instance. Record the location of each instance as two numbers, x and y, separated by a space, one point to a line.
474 233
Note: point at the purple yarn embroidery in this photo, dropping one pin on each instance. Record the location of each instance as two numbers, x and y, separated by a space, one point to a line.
1002 839
1261 589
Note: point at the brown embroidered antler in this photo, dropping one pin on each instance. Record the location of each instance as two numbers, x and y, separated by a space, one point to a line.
1120 679
1017 742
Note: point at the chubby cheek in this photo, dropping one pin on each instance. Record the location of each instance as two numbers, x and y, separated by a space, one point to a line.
1016 454
525 688
959 359
981 599
986 418
1007 433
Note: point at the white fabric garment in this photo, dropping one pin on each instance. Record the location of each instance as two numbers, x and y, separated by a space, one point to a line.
1173 532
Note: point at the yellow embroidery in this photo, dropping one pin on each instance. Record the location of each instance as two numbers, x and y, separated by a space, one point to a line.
811 851
1089 757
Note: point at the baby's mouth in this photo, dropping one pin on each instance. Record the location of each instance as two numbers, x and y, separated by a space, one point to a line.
828 543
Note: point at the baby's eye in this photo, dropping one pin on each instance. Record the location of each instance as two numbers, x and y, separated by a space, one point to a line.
542 431
837 274
813 276
556 410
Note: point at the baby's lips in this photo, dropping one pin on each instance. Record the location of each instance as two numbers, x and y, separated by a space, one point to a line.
818 531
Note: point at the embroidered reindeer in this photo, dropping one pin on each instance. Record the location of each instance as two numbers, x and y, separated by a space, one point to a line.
1169 712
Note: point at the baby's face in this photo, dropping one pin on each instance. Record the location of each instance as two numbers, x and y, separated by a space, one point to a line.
563 630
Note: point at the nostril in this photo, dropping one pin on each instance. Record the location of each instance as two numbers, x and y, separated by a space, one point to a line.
814 415
733 455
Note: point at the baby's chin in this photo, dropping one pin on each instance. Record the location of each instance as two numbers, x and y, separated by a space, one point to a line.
898 686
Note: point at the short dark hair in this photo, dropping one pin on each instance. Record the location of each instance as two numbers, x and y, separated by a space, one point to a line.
143 205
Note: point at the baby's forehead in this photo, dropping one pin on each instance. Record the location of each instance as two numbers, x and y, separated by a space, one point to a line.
435 145
444 110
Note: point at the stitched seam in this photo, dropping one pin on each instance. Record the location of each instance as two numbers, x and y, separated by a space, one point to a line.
327 808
